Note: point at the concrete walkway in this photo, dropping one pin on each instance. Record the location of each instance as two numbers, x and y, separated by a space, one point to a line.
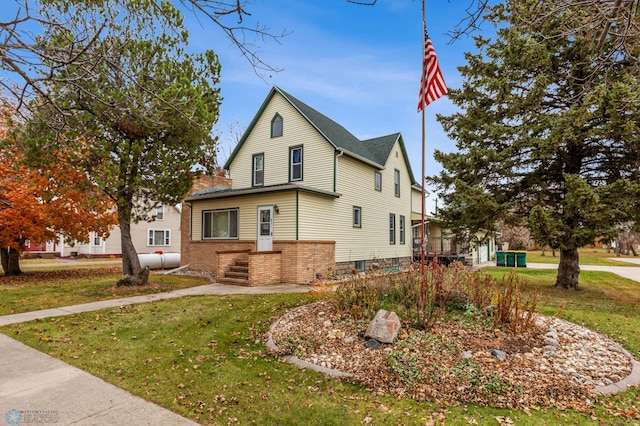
38 389
204 290
630 272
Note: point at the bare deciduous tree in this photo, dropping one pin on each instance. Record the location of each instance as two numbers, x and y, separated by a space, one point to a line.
29 56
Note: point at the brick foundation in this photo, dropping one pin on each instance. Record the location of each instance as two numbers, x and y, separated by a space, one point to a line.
265 267
346 268
299 261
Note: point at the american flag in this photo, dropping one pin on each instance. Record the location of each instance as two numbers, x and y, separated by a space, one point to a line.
432 85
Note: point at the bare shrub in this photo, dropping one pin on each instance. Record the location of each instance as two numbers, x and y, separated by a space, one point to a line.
510 311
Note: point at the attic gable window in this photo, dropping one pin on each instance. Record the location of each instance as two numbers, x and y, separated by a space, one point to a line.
276 126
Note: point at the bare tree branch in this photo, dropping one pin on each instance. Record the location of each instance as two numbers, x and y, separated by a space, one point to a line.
40 39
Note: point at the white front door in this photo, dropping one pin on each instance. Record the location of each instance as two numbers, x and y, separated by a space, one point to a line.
265 228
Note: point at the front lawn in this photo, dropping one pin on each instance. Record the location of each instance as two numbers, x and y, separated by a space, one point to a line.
45 289
204 358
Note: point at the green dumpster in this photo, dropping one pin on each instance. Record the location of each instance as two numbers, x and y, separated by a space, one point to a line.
521 260
499 258
511 259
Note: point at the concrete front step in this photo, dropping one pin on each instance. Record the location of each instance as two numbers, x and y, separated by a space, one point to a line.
238 268
238 275
234 281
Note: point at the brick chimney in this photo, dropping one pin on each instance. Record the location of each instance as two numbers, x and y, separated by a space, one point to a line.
206 181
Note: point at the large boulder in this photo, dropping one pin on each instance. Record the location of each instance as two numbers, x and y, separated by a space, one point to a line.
384 327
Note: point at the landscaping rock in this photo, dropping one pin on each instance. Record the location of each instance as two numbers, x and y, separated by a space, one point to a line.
498 354
384 327
467 355
372 344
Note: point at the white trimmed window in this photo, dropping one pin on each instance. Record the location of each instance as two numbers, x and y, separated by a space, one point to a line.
96 239
160 212
295 163
378 181
220 224
396 182
159 237
357 217
392 228
258 170
402 226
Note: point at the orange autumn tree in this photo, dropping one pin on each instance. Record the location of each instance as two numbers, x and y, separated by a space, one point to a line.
43 203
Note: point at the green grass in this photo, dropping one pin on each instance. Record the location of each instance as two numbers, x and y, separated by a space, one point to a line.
204 358
45 289
594 256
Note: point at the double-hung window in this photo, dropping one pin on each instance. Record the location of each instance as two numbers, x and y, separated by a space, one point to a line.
392 228
378 181
160 212
96 239
220 224
295 163
258 170
357 217
402 229
159 237
396 182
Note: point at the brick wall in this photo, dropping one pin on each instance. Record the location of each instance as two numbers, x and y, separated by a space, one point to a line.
202 255
265 267
225 259
300 260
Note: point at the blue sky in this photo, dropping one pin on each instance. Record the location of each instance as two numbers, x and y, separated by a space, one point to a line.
359 65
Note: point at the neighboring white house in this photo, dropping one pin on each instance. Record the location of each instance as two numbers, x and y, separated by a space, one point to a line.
162 234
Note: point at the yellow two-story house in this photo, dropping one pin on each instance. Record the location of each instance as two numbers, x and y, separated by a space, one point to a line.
306 198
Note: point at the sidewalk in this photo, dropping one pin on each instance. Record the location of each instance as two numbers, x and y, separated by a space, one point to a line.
630 272
38 389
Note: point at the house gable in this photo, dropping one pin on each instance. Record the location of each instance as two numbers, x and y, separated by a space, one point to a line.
303 125
299 154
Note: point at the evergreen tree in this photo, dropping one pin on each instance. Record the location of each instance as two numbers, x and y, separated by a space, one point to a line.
544 128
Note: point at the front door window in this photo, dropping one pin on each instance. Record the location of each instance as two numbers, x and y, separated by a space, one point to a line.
265 228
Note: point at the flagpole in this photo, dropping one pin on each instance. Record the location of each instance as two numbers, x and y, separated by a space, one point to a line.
432 87
422 180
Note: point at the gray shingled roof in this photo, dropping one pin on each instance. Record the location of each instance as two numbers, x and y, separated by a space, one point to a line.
375 150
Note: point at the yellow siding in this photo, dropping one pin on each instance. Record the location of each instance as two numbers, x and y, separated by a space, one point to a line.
318 154
416 202
326 219
283 222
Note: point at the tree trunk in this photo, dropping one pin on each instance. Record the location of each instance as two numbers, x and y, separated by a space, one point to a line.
543 249
568 270
10 259
134 275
